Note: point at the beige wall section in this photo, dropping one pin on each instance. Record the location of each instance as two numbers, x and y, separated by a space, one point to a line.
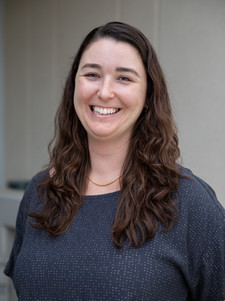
29 104
42 38
192 51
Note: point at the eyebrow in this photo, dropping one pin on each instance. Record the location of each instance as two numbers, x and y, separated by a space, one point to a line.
96 66
120 69
130 70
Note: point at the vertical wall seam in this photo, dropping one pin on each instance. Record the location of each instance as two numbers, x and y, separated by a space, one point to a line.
55 51
2 92
28 87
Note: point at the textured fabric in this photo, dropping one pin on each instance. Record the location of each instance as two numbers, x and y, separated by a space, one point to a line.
186 263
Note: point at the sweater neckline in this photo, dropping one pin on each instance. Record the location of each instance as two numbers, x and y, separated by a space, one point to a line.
102 196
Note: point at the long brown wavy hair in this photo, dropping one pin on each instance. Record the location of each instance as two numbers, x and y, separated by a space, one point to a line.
150 172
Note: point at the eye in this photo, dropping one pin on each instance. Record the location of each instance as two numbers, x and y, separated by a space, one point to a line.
91 75
125 79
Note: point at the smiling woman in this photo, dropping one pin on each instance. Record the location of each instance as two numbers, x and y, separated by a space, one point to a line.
110 91
124 221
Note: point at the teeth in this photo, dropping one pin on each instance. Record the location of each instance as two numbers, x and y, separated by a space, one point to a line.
104 111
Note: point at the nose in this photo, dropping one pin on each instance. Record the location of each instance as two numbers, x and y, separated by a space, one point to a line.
106 90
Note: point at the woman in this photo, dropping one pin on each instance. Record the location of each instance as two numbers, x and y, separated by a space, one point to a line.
123 220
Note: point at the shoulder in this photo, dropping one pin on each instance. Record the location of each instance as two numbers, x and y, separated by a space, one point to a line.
201 214
36 180
202 230
196 193
30 197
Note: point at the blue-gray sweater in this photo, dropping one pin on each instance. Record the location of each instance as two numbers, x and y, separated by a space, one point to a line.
186 263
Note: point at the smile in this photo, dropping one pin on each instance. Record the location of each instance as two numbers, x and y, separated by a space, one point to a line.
104 111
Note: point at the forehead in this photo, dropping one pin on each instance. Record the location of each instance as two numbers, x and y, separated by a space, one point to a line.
110 50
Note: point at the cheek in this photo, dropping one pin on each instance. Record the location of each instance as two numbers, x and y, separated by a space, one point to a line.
80 98
84 90
141 96
80 93
135 99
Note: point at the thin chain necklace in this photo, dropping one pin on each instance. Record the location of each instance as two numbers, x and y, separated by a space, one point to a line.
103 185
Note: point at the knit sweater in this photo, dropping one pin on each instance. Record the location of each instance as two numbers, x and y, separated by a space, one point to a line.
185 263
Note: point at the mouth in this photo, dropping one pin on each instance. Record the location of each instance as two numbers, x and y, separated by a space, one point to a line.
104 111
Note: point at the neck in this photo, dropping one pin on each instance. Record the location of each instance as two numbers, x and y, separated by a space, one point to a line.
106 165
107 157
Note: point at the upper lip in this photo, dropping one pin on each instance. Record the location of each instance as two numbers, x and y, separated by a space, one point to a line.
108 107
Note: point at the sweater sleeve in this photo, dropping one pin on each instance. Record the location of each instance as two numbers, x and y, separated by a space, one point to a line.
18 241
28 201
210 280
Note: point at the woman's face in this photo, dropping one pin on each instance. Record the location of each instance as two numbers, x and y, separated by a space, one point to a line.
110 89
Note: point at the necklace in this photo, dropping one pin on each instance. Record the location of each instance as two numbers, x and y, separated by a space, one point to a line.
102 185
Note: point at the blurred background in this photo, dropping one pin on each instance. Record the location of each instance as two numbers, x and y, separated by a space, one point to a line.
38 40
